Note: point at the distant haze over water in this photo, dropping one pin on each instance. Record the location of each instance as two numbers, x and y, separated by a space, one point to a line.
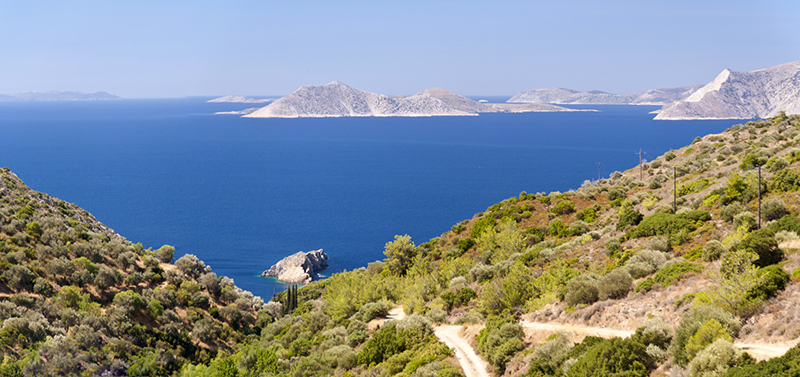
243 193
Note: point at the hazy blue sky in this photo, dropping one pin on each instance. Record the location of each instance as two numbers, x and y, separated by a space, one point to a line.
180 48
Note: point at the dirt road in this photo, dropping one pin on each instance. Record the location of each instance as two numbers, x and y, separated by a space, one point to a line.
473 365
759 351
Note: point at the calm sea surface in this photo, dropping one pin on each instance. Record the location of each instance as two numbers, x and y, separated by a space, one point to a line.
243 193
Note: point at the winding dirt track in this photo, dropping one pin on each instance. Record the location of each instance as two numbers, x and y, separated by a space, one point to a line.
759 351
473 365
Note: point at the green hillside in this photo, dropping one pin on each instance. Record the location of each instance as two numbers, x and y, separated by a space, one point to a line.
671 250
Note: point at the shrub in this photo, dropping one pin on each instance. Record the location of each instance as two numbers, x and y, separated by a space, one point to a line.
715 359
577 228
500 340
628 217
564 207
712 250
654 332
613 357
691 323
616 193
785 236
667 275
708 332
669 156
744 220
762 243
785 180
612 246
372 310
615 284
645 262
773 279
165 253
19 277
582 289
773 208
786 365
729 211
666 224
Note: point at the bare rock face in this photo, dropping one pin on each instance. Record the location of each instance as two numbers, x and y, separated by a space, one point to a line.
596 97
742 95
299 268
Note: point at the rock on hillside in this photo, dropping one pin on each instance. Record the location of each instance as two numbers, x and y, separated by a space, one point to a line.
239 99
299 268
742 95
596 97
339 100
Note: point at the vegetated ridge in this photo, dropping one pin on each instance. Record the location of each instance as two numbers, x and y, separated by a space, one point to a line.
59 96
688 278
595 97
742 95
336 99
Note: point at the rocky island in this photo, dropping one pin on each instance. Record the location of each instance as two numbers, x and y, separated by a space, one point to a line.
336 99
59 96
240 99
741 95
595 97
298 268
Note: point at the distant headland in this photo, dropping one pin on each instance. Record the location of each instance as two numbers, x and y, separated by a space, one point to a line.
336 99
59 96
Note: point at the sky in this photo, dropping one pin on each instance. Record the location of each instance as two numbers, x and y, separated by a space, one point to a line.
155 49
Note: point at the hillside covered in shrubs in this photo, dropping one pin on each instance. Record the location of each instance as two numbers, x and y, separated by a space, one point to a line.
677 251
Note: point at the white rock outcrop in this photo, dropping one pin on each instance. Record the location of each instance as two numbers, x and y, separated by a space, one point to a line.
299 268
596 97
742 95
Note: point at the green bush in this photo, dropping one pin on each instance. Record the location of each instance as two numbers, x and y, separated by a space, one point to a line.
729 211
773 279
612 246
669 156
616 193
669 274
613 357
716 359
614 285
666 224
582 289
628 217
763 243
691 323
785 180
645 262
500 340
482 225
465 244
773 208
576 228
564 207
713 250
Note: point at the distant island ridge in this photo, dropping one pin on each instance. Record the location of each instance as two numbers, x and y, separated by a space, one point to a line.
336 99
733 94
595 97
240 99
59 96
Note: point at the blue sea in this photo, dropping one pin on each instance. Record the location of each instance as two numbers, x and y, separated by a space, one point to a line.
243 193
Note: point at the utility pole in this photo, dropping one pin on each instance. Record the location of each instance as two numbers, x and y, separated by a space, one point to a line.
641 167
599 175
674 190
759 198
